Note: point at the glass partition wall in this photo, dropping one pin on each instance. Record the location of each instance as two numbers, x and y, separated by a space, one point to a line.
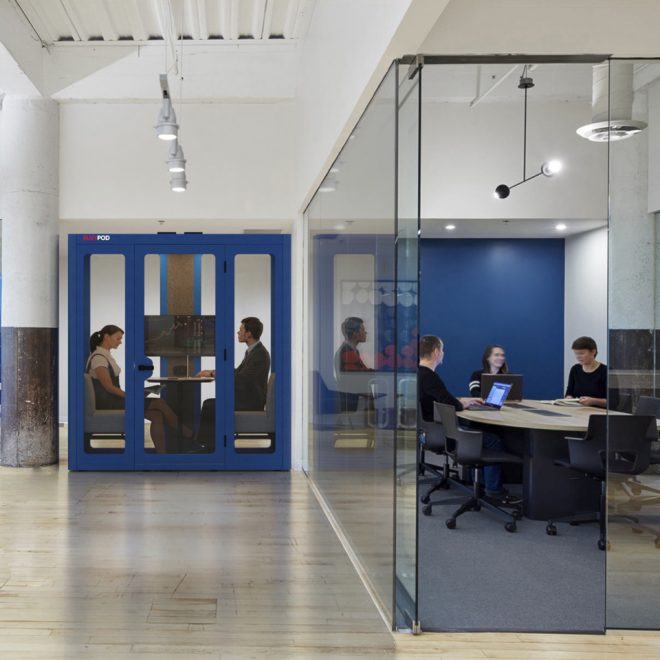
361 301
633 577
406 237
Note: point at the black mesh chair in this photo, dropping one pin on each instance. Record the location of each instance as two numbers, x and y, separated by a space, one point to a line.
465 448
627 452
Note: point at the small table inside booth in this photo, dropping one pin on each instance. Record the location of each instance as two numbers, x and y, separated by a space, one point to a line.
181 382
549 491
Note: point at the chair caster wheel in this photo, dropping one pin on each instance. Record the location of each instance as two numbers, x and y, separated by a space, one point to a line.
601 544
451 523
427 510
517 515
551 530
426 499
510 527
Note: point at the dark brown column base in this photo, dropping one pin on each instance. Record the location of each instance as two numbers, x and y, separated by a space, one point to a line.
29 433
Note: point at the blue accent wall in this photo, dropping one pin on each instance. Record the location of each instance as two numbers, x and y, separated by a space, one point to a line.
475 292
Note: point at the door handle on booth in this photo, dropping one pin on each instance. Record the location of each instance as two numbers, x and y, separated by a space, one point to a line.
145 367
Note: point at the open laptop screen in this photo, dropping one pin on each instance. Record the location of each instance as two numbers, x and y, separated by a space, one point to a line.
498 393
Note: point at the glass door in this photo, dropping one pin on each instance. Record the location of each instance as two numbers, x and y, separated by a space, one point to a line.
178 338
100 345
257 367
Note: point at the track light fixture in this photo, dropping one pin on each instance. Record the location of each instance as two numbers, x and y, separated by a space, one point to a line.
175 161
548 168
178 182
167 128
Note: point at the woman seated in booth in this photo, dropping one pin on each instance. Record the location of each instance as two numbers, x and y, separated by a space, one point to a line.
587 380
493 361
104 370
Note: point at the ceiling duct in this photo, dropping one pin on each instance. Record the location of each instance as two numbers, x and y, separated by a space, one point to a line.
621 125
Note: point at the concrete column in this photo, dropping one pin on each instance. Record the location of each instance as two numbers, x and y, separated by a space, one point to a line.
29 159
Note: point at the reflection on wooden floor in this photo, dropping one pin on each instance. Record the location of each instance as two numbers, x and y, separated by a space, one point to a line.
209 565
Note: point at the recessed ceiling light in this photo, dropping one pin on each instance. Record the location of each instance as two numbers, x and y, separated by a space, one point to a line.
560 227
450 227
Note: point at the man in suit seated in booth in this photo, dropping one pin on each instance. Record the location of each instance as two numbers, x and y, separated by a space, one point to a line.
250 379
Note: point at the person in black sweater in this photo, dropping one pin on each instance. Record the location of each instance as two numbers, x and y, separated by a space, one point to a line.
587 380
493 361
431 388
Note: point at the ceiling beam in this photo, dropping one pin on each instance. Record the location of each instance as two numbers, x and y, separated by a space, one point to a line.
290 22
25 45
37 20
258 16
201 17
166 21
78 31
108 30
138 30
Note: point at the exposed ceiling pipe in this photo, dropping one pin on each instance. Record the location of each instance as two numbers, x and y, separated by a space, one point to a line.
611 106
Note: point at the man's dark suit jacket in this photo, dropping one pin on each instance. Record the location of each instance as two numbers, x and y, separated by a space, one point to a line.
251 379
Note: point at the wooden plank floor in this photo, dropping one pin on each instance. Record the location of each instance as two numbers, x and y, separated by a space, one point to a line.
206 565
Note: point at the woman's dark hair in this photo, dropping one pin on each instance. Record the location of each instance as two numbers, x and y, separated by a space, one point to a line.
96 338
584 343
484 360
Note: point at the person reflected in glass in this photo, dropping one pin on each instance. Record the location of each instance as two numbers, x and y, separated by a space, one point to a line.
587 380
432 388
104 371
349 361
493 361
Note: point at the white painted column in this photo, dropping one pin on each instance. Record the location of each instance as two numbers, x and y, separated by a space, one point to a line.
29 164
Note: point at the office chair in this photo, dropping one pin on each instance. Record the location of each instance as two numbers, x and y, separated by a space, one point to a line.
465 447
432 439
627 451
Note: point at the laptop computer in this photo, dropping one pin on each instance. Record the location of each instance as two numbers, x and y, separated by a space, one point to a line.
515 380
496 398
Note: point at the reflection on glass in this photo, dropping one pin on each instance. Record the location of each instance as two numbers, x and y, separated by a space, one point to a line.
254 383
179 338
351 347
633 580
104 426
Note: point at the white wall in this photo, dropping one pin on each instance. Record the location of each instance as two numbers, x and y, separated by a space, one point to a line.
585 292
240 162
624 28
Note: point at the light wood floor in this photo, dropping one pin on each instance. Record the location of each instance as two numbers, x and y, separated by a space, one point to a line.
206 565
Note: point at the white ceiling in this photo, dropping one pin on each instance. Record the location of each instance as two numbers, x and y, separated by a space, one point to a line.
108 21
87 50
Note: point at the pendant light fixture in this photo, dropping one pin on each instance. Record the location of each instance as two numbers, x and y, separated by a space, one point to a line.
168 129
548 168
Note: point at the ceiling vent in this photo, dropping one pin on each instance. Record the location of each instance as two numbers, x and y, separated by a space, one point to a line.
619 124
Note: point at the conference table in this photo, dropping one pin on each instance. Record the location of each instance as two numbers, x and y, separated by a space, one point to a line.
539 430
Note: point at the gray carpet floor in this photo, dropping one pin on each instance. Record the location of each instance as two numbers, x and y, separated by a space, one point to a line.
480 577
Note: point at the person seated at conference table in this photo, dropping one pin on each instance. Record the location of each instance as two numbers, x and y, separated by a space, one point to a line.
587 380
104 371
431 388
493 361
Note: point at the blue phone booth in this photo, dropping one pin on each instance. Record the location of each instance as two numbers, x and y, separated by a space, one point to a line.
193 371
